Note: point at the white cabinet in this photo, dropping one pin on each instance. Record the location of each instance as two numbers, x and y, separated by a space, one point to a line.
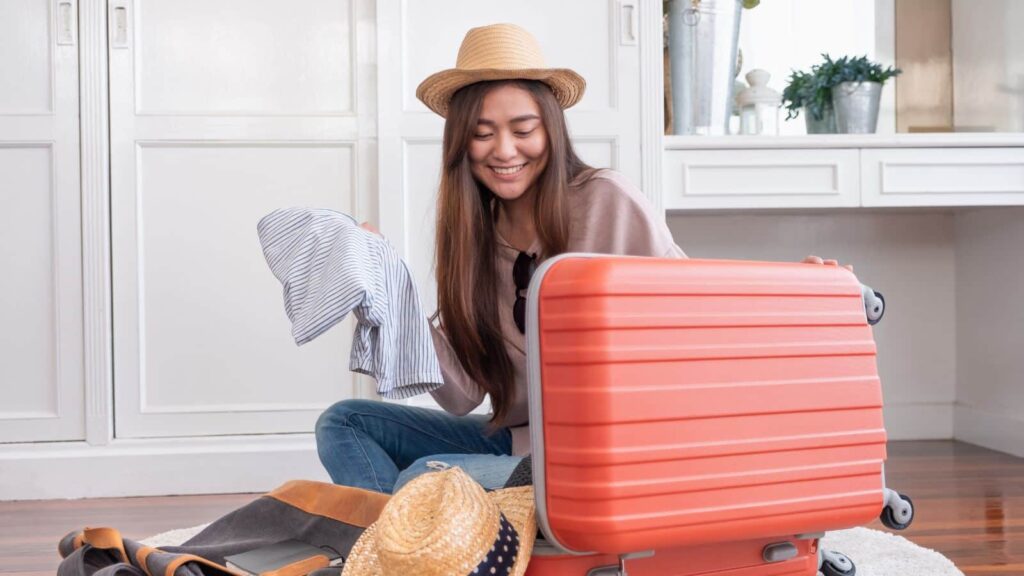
41 370
736 172
744 178
219 113
942 176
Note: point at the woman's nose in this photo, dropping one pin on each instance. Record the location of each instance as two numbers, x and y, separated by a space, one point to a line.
505 147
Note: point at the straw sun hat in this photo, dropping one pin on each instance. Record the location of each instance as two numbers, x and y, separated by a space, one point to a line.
499 52
444 524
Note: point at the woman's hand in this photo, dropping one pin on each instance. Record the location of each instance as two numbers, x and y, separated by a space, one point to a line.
812 259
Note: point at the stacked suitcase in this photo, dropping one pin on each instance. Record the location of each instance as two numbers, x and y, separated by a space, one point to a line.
702 417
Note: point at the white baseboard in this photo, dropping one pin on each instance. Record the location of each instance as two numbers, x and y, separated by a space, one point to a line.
1001 432
217 465
919 421
223 465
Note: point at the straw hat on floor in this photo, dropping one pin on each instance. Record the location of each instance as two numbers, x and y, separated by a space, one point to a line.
444 524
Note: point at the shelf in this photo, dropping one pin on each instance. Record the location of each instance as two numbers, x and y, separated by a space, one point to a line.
842 172
934 140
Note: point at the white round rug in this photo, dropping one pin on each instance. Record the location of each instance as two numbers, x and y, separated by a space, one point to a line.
875 553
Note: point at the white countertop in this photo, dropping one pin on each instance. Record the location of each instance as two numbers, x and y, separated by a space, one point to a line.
937 140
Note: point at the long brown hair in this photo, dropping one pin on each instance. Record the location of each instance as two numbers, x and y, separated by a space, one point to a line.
465 248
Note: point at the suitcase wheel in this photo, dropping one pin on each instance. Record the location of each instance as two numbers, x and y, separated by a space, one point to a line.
836 564
877 309
898 513
874 304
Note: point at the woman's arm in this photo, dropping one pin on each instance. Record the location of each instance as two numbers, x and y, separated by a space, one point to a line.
460 394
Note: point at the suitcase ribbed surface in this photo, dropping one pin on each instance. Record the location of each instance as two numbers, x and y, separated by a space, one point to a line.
688 402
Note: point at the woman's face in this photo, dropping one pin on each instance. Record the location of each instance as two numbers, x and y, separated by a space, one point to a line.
509 149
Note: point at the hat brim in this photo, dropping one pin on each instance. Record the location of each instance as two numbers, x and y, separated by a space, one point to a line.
515 503
437 90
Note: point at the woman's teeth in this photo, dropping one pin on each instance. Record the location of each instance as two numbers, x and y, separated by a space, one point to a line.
505 171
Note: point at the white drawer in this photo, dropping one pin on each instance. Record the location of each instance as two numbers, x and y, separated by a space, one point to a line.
776 178
942 176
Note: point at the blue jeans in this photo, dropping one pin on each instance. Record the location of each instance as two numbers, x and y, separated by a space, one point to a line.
381 446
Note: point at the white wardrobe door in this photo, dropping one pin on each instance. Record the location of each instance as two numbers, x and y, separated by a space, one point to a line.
594 38
41 373
220 113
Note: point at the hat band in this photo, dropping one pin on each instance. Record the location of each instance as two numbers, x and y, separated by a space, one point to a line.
502 556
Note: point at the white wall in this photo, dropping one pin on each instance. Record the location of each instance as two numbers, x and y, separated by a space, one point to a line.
990 326
908 256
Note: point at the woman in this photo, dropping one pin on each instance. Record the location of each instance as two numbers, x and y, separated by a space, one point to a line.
513 193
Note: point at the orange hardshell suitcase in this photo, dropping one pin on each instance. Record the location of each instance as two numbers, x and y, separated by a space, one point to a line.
702 417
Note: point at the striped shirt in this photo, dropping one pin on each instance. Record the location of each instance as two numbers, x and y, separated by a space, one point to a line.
330 266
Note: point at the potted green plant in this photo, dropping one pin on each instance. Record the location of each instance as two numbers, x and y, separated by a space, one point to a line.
806 92
839 95
856 93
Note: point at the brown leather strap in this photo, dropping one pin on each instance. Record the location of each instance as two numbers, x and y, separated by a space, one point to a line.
300 568
353 506
141 555
106 539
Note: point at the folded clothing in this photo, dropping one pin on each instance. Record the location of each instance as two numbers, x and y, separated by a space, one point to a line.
330 266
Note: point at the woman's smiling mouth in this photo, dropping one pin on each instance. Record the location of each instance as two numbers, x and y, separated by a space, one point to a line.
507 171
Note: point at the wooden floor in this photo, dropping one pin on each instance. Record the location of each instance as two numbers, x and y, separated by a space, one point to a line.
969 502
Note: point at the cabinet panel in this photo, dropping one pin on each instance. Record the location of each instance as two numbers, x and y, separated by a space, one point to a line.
41 342
203 345
942 176
244 57
28 352
25 51
213 332
206 139
761 178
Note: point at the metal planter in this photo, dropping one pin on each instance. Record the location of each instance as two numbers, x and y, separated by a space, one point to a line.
856 106
825 125
703 39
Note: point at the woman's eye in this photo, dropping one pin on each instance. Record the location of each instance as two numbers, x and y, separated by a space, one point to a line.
482 136
524 132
